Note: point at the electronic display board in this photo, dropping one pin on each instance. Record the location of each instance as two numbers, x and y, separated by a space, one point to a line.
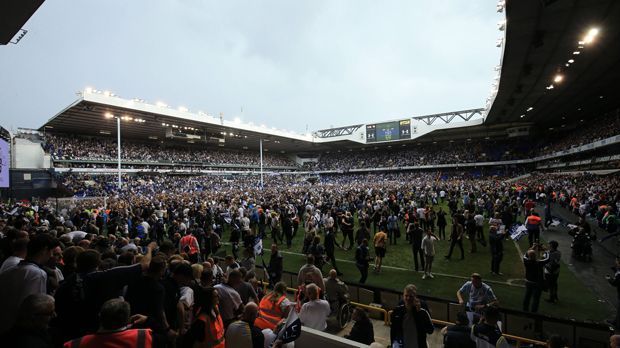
388 131
4 163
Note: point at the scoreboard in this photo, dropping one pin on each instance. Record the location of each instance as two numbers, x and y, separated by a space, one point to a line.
388 131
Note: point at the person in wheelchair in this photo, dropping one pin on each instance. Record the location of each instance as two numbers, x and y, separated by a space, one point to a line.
337 295
336 291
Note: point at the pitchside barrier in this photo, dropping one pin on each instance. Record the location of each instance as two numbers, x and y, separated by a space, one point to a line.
518 326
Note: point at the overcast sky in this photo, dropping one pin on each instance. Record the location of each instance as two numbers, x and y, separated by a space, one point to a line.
287 64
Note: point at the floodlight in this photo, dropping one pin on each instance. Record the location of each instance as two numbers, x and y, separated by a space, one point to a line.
558 78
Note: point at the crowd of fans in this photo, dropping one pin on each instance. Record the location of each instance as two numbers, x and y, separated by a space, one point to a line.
420 155
105 149
143 262
586 132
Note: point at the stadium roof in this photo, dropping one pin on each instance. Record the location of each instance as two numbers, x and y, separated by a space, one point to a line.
13 15
95 113
547 44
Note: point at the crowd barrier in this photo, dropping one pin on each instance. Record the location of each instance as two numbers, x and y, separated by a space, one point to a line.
519 327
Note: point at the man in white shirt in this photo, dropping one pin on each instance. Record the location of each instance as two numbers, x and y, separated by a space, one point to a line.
230 301
479 219
19 248
25 279
314 313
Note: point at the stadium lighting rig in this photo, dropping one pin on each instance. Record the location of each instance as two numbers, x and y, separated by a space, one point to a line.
590 36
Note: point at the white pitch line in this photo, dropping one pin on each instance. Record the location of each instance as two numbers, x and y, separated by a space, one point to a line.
486 280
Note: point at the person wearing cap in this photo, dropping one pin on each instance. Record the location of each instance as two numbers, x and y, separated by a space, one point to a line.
479 295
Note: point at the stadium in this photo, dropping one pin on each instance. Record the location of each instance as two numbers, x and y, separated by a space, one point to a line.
151 209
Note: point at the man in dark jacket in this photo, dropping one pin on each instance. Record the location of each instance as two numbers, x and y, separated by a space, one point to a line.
362 331
411 321
362 257
458 335
417 234
534 278
497 249
330 244
275 265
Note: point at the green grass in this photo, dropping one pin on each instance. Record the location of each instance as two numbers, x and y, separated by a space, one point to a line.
576 300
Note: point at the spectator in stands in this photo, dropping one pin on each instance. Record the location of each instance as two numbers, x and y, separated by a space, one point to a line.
410 321
146 296
314 313
19 248
273 307
115 329
27 278
479 296
362 331
31 328
310 274
459 334
336 291
229 300
486 333
243 333
208 330
79 298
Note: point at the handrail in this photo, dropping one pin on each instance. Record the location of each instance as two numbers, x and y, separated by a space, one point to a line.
386 316
520 340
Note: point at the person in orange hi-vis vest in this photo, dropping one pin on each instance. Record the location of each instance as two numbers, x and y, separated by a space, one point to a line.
115 329
208 329
189 245
273 308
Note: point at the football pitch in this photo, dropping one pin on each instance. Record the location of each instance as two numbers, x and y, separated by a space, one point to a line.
576 300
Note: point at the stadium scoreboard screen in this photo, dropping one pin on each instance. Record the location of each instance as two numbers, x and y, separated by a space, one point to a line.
388 131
